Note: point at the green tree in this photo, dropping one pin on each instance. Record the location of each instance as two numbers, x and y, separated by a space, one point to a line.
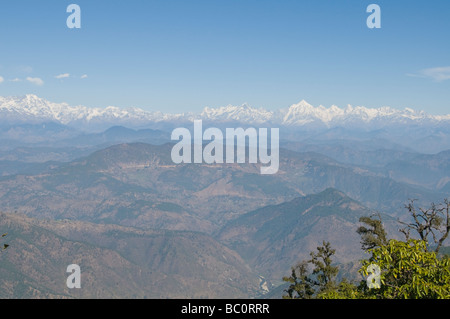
408 271
374 235
321 282
405 269
344 290
301 286
324 272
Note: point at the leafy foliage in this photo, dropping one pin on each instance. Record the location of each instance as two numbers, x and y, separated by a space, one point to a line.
301 286
323 270
372 237
321 282
407 269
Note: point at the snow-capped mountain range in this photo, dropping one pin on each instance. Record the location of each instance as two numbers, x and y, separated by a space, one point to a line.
31 108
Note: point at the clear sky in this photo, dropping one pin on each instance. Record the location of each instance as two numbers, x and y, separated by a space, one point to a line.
183 55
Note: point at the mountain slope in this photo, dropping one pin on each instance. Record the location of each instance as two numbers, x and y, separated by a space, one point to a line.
138 185
117 262
274 238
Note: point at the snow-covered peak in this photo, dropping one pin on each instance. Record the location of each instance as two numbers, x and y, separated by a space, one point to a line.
31 108
244 113
304 113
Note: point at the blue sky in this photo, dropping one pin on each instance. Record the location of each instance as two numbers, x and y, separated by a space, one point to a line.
180 56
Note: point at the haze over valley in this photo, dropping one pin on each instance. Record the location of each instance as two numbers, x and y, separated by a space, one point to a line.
98 187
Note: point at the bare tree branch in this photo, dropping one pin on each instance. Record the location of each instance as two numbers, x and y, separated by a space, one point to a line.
429 222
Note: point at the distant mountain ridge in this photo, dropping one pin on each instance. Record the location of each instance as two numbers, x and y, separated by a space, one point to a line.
31 108
275 237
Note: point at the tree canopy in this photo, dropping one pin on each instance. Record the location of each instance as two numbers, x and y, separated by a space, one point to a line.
409 269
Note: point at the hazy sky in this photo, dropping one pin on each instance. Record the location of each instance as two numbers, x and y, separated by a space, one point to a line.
178 56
